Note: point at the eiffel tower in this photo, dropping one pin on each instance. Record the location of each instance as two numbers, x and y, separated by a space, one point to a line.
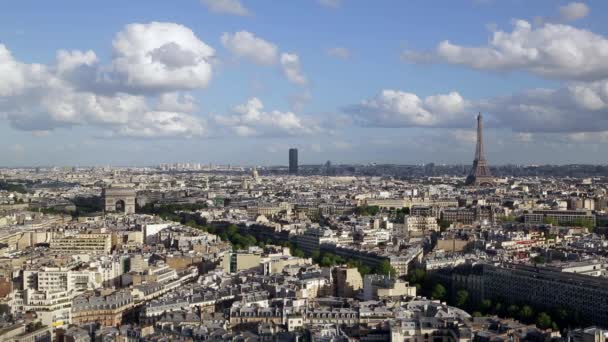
480 172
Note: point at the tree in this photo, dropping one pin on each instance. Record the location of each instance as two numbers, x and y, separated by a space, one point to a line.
539 259
462 298
326 261
513 310
544 321
443 225
439 292
550 220
526 313
298 253
485 305
384 267
499 309
417 276
232 230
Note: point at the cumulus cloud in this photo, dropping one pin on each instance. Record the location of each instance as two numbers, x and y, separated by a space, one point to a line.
234 7
161 57
577 107
146 58
154 124
250 119
552 50
339 52
176 102
137 94
246 45
16 76
573 11
393 108
290 63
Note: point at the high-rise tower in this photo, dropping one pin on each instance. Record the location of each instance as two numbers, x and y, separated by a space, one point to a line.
293 161
480 172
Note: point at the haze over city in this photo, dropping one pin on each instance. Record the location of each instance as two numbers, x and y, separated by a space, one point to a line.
146 82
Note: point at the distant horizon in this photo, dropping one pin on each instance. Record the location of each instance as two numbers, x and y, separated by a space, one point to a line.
286 165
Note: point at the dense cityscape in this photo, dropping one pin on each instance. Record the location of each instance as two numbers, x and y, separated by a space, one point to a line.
187 252
304 171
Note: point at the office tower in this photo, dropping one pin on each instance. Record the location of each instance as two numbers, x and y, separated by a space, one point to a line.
480 172
293 161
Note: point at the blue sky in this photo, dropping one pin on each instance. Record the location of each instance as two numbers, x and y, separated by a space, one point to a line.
371 81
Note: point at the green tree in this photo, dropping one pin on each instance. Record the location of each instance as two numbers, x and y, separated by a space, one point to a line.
443 225
539 259
326 261
439 292
513 310
499 309
550 220
298 253
384 267
462 298
485 305
544 321
417 276
526 314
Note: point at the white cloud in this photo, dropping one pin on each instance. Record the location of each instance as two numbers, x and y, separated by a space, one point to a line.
78 90
573 11
552 50
68 61
250 119
161 57
291 68
246 45
16 76
176 102
233 7
153 124
577 107
330 3
339 52
392 108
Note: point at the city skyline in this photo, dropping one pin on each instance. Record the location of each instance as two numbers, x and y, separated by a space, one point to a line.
243 82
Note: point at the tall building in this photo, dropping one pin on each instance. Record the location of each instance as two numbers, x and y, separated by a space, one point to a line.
480 172
293 161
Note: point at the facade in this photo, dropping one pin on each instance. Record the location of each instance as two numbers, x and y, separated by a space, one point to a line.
460 215
121 200
348 281
22 332
419 224
56 279
239 261
560 216
377 286
106 310
539 286
293 161
82 243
